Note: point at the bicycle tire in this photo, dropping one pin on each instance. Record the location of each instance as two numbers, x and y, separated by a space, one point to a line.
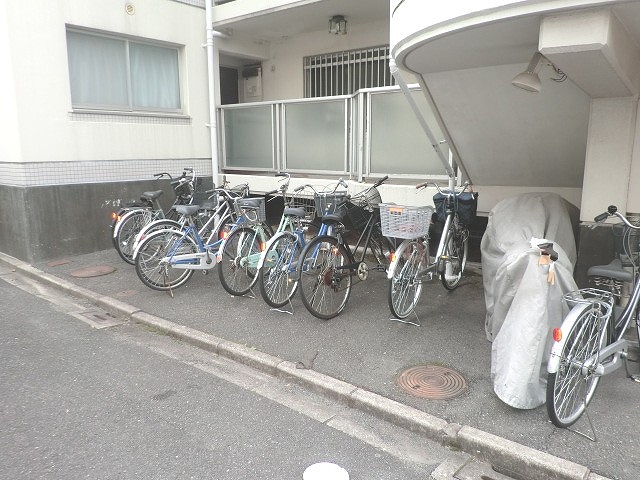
151 265
129 227
570 389
277 278
454 257
405 287
381 248
324 286
237 274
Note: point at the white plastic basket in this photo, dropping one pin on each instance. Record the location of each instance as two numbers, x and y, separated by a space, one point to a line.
401 221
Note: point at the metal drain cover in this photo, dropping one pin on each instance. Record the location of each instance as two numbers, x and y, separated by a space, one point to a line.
93 271
432 381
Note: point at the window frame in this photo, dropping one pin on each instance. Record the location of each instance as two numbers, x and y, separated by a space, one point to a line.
129 108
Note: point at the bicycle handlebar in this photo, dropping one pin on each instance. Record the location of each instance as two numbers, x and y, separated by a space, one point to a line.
444 191
612 211
381 181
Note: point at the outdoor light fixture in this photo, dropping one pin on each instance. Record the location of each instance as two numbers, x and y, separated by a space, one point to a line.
338 25
529 79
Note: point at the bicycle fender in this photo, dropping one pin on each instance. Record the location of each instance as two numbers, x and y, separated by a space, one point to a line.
565 328
270 242
153 234
124 217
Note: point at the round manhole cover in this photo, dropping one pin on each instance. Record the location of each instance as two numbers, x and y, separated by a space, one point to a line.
432 381
93 271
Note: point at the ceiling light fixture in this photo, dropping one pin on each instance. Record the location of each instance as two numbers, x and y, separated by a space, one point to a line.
529 80
338 25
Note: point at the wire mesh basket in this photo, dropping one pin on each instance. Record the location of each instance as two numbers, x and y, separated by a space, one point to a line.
369 198
599 298
252 209
401 221
303 199
329 202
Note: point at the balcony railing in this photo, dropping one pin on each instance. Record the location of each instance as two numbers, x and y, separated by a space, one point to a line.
373 132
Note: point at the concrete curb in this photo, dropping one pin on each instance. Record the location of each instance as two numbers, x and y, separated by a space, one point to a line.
507 456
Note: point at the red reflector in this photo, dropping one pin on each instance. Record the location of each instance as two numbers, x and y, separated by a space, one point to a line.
557 334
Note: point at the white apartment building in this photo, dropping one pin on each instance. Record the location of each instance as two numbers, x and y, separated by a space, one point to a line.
103 94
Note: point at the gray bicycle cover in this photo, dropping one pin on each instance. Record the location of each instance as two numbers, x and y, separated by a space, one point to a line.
522 306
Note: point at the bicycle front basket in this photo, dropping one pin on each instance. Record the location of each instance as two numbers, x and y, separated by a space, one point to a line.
467 207
252 209
405 222
329 202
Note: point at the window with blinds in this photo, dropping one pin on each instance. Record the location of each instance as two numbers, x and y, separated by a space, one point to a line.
342 73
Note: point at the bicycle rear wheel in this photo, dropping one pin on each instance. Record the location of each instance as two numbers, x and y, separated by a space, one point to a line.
325 282
153 262
237 268
277 278
129 227
405 286
454 256
571 388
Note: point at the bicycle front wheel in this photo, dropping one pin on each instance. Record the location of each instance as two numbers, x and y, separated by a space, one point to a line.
571 388
127 231
154 259
454 256
325 277
237 268
406 285
277 278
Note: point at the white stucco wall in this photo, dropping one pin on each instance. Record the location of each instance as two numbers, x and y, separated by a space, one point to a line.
37 35
10 144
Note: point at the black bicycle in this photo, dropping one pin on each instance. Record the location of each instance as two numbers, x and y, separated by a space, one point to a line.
329 265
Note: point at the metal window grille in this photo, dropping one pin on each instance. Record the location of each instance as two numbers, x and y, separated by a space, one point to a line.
342 73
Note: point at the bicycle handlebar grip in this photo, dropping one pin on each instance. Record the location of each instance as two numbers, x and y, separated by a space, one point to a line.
602 217
297 189
421 185
381 181
272 192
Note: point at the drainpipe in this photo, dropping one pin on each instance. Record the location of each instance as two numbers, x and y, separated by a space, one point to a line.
423 123
211 74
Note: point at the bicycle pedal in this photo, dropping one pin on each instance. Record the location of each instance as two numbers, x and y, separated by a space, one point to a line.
635 378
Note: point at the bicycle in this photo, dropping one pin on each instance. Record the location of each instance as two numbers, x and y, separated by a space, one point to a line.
166 258
412 263
240 252
277 265
590 342
328 262
127 227
206 216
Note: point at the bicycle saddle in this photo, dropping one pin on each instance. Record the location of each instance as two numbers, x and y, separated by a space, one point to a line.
187 210
331 219
612 270
151 195
294 211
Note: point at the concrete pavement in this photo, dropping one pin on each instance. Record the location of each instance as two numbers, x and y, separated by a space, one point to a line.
357 357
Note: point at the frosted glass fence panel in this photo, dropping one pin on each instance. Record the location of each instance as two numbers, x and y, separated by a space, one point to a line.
248 137
316 136
398 145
